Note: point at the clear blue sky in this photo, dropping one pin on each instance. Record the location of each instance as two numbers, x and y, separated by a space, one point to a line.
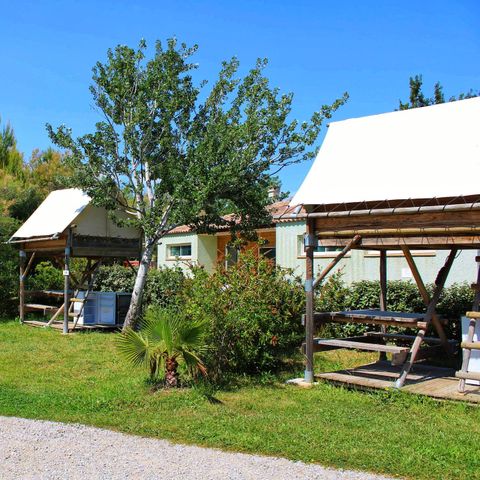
317 49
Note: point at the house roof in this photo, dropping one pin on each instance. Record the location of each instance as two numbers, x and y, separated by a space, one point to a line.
422 153
280 211
54 214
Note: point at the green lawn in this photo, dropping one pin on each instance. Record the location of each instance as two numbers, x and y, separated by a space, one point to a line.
80 378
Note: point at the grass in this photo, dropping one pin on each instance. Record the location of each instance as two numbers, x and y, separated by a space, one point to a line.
80 378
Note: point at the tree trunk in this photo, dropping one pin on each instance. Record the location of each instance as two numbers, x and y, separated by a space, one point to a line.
171 374
140 280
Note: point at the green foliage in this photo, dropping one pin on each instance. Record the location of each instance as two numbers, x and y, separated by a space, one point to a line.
45 277
9 268
254 313
165 338
418 99
190 157
11 160
114 278
402 296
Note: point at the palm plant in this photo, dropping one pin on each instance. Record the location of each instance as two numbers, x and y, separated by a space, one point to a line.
165 339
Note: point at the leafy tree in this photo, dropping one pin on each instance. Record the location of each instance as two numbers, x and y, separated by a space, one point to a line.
418 99
48 171
170 158
165 338
11 160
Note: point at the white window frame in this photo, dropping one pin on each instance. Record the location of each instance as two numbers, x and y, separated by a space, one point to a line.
331 254
181 257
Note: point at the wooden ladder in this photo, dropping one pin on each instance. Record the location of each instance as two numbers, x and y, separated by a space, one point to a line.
474 316
83 300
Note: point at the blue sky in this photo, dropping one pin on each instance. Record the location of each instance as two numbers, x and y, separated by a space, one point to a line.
317 49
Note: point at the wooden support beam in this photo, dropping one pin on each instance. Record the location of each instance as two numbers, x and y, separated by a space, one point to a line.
354 241
21 288
383 293
309 294
29 265
439 284
66 276
426 298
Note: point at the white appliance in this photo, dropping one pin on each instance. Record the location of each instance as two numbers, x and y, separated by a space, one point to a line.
474 364
100 308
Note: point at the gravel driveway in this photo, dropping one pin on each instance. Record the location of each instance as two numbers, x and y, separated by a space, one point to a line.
32 449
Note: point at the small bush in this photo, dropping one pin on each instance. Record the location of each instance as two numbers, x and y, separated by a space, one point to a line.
45 277
254 312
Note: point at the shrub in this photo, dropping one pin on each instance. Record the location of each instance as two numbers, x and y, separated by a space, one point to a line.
165 339
254 312
114 278
9 270
45 277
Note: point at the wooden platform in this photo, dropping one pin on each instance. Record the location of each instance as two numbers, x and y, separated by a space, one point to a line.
59 326
423 379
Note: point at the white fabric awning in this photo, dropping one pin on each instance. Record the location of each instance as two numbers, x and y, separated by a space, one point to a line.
54 215
421 153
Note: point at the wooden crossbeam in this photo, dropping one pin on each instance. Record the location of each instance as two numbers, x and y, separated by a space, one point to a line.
426 297
439 284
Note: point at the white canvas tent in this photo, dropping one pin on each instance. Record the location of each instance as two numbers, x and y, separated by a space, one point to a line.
67 225
422 153
397 181
64 208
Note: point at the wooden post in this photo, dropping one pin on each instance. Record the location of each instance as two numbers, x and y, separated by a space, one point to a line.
383 292
426 298
310 242
21 289
439 284
66 288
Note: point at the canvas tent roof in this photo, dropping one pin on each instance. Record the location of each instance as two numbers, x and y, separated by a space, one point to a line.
422 153
54 214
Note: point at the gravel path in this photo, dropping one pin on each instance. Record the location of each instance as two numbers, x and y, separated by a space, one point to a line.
32 449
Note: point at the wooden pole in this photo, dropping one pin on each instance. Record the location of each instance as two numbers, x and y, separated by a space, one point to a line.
439 284
66 288
383 292
21 289
310 242
426 297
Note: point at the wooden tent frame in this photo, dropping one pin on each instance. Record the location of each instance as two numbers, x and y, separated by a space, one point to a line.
60 249
447 223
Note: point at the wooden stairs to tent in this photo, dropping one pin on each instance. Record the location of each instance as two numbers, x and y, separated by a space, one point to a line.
474 316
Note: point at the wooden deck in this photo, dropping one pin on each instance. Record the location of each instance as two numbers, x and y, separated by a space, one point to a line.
423 379
78 328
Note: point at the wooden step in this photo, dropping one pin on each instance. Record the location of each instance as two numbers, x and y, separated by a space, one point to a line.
373 347
77 300
473 315
470 345
468 375
38 306
399 336
73 314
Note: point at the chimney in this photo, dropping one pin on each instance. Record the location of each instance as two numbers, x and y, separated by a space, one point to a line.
273 193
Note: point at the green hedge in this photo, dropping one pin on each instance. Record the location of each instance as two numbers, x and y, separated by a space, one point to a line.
402 296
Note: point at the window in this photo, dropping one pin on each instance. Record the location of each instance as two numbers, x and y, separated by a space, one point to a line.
231 255
268 252
179 251
319 250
